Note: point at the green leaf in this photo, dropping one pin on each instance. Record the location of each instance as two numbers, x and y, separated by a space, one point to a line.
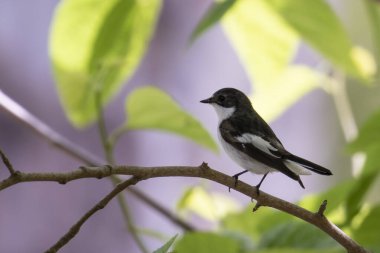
372 162
203 242
296 234
165 248
95 46
264 42
317 23
150 108
254 224
212 15
367 233
357 194
293 250
210 206
335 196
292 84
369 135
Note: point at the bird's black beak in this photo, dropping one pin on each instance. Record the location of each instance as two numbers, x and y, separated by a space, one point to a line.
208 100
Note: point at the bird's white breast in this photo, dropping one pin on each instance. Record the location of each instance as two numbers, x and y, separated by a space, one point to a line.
245 161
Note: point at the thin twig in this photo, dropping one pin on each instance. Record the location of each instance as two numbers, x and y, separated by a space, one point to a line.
202 171
75 151
108 152
103 130
100 205
322 208
7 163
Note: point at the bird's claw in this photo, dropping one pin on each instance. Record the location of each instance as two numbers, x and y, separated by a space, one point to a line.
236 182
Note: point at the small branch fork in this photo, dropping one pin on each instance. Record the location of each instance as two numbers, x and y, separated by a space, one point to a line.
7 163
202 171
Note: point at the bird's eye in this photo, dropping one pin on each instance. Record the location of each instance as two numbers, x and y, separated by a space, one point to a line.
221 98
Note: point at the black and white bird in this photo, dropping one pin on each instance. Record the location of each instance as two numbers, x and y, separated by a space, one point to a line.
250 141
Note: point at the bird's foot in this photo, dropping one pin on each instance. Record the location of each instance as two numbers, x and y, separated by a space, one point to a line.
236 177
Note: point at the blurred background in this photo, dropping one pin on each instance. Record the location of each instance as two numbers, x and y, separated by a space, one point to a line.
34 215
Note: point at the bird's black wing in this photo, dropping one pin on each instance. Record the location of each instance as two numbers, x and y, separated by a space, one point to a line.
230 132
259 127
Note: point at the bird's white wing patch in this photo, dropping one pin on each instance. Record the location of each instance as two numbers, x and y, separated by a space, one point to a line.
258 142
296 168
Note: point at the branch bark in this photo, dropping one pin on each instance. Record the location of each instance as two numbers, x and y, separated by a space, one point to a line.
7 163
202 171
60 142
100 205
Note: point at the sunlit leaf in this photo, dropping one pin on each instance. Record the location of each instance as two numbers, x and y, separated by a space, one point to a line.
263 41
369 135
165 248
213 15
365 62
151 108
357 194
293 250
210 206
95 46
336 198
296 234
203 242
368 141
368 232
372 162
272 100
254 225
317 23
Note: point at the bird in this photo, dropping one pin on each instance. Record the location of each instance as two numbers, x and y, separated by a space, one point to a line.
250 141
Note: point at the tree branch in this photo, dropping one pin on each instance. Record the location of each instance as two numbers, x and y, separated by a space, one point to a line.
203 171
7 163
77 152
100 205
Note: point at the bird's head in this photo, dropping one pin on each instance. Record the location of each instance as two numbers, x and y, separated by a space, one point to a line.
226 101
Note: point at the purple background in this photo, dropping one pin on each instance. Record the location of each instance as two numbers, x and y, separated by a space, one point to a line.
34 215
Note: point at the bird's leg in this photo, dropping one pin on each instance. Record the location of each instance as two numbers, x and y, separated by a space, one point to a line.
236 176
261 181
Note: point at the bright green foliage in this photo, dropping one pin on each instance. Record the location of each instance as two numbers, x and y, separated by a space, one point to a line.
357 194
266 44
296 234
213 15
292 250
269 228
368 231
95 46
369 135
209 206
254 225
272 100
316 23
368 141
165 248
203 242
265 34
263 41
150 108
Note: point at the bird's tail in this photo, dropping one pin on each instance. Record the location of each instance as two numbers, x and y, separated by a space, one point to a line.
309 165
